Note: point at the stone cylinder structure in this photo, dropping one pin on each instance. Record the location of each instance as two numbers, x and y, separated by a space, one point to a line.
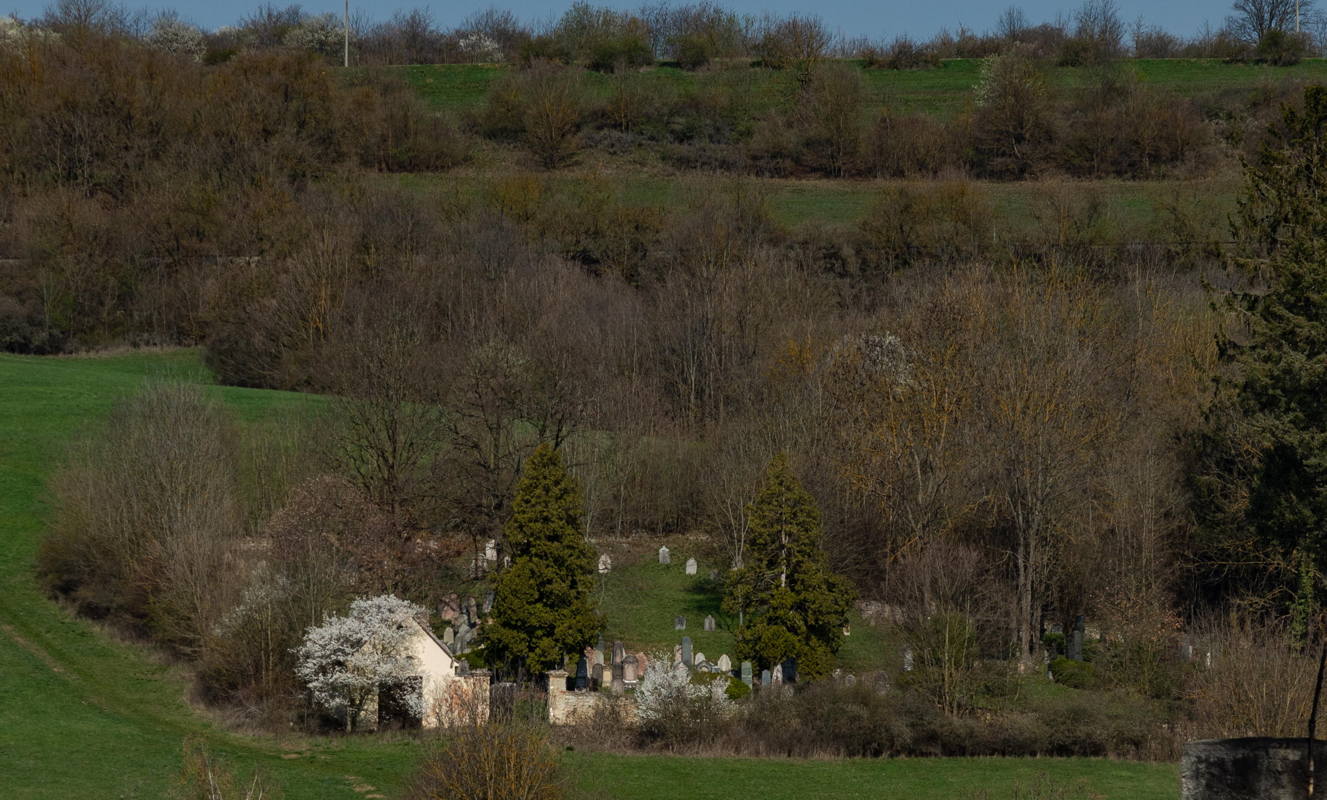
1251 769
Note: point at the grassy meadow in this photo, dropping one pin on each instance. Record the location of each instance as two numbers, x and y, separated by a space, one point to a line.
85 714
945 91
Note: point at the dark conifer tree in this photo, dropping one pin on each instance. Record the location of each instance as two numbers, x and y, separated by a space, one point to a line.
542 609
792 605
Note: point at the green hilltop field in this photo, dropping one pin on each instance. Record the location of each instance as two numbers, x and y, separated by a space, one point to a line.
84 713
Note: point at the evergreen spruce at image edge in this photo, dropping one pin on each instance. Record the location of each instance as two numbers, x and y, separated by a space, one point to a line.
1261 483
542 608
792 604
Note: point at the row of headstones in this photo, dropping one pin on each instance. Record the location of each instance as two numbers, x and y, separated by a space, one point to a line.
666 558
782 673
623 670
491 557
680 623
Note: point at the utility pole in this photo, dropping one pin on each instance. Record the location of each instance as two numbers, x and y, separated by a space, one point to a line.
346 21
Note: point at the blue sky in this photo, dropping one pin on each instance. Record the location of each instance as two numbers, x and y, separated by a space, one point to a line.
851 17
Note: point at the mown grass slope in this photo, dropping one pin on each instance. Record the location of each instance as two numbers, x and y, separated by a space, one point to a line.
85 715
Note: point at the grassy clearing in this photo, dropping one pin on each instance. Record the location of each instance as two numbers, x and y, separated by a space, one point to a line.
888 779
945 91
84 715
641 598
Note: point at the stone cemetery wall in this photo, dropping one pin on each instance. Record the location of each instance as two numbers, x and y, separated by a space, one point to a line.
1249 769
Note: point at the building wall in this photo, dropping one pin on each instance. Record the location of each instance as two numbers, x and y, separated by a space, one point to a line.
574 708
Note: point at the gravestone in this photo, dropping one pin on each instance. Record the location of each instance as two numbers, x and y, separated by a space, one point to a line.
598 674
698 658
664 557
619 652
619 684
488 601
605 564
679 623
677 654
766 677
1076 640
907 659
691 566
491 550
449 636
725 664
597 656
600 644
776 675
849 680
450 607
746 672
582 673
642 663
709 622
706 666
686 651
629 672
789 670
472 610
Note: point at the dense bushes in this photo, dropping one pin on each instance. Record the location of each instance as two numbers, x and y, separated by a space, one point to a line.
867 718
509 759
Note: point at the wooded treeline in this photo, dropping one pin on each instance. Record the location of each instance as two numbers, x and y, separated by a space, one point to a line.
995 429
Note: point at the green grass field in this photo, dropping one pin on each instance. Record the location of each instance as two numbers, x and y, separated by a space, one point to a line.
83 714
945 91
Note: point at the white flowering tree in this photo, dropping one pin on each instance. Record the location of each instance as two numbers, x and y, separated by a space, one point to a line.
347 660
177 37
666 685
317 33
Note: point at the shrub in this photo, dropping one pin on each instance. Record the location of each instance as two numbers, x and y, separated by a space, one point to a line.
480 762
147 515
1282 48
943 222
944 648
674 710
898 146
797 42
904 53
828 117
1012 125
1074 674
553 104
205 777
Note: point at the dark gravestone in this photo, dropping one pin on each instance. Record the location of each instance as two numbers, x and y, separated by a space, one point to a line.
619 652
686 651
582 673
1076 640
1249 769
790 671
619 679
598 675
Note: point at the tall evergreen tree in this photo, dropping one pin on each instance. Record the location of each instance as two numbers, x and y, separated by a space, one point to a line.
542 609
1261 482
792 605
